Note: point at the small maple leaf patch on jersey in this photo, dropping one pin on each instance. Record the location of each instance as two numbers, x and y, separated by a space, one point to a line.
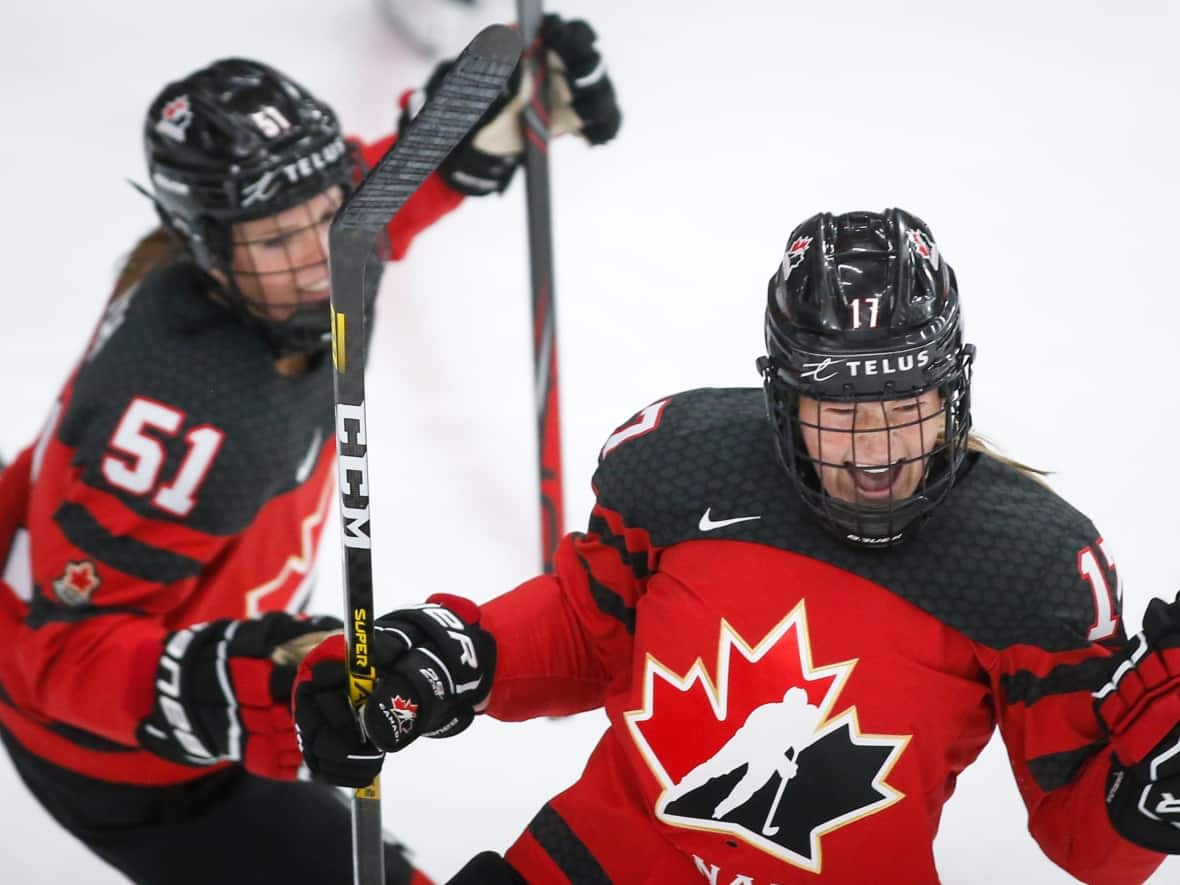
78 583
752 750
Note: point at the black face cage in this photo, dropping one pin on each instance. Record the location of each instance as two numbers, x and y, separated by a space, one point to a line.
302 322
865 523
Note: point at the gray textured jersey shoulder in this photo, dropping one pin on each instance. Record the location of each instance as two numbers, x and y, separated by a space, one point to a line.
997 561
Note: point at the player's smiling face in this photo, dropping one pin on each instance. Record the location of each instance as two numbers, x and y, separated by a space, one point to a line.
871 452
281 261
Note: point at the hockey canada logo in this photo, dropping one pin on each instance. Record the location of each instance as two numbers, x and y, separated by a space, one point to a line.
175 118
923 245
401 713
765 760
78 583
794 255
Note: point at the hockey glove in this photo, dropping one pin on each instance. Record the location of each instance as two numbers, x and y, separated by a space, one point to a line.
1140 708
222 692
434 666
581 99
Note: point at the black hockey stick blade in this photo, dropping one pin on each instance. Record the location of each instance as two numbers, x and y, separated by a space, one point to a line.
466 92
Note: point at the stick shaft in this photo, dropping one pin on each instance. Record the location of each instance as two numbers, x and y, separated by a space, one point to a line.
540 232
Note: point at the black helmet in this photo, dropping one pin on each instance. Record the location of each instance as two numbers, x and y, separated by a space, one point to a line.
236 141
863 308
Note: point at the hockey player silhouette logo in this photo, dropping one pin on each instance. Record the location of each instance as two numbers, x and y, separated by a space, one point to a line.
923 245
793 719
175 118
401 713
755 752
793 257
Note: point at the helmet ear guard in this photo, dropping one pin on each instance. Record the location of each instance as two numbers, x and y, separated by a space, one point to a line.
862 309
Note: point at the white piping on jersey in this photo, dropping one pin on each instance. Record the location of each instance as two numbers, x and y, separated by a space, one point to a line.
301 563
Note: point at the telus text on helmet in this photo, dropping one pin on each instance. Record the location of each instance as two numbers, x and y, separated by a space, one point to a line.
828 368
265 186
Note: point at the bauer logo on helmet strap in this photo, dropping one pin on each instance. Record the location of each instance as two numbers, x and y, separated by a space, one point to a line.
923 245
793 257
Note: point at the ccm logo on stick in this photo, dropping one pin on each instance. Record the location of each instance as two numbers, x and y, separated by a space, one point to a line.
353 467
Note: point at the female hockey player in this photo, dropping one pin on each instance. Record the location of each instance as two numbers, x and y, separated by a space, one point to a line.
157 539
805 610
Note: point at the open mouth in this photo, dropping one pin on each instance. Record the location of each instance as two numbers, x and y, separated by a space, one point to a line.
875 482
316 291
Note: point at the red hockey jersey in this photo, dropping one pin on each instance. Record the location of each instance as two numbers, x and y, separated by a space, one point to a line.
179 479
785 708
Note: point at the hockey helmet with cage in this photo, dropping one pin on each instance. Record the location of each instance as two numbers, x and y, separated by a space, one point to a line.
863 308
237 141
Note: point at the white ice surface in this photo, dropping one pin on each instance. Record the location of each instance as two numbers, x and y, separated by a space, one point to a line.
1038 140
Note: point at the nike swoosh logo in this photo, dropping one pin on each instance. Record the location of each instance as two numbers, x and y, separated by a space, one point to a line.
303 471
708 524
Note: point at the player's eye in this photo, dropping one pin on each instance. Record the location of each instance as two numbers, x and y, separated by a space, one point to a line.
275 242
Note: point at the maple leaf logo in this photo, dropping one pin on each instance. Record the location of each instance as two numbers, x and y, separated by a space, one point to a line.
175 118
176 109
794 255
78 583
405 713
753 750
923 245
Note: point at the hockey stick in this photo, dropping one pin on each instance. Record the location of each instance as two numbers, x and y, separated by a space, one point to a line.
767 828
536 167
477 78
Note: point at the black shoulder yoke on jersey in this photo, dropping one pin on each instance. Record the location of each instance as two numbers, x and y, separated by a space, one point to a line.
167 343
997 561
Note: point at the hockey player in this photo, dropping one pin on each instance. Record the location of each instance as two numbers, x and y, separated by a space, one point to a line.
157 540
829 586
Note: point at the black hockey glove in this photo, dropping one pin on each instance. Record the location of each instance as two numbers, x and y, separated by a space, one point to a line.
434 666
581 99
1140 708
222 692
580 67
329 736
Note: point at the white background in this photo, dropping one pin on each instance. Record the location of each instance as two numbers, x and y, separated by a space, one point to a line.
1036 139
